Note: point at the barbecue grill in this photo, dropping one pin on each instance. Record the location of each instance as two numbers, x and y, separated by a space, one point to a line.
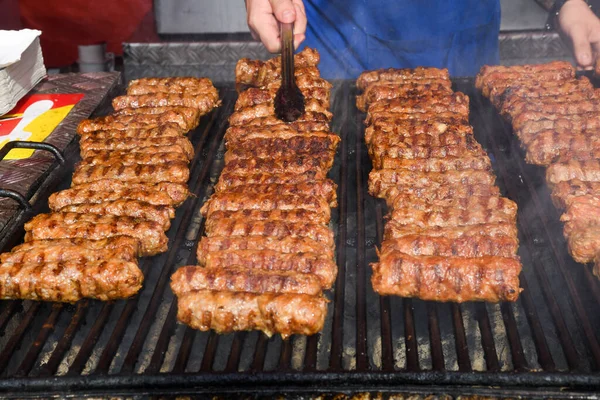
544 345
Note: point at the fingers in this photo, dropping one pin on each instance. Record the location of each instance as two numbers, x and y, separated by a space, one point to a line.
284 10
263 25
582 48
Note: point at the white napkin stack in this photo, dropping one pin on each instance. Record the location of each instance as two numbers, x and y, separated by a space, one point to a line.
21 66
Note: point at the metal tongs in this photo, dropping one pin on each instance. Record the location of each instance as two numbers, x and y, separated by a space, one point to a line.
289 100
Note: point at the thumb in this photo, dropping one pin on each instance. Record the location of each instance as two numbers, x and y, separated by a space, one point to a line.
284 10
581 47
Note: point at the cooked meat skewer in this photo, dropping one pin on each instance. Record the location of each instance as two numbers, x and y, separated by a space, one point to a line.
285 244
89 145
563 192
125 157
178 192
321 266
293 215
240 279
48 251
176 172
394 230
168 129
246 177
395 75
130 208
456 279
125 122
271 313
227 201
470 246
434 164
437 193
71 281
386 91
324 188
150 234
278 229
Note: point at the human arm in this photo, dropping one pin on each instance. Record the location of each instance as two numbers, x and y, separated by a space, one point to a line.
263 17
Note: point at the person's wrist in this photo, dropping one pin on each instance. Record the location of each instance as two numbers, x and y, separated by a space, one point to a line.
551 22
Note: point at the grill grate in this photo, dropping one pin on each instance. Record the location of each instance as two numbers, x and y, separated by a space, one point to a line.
540 345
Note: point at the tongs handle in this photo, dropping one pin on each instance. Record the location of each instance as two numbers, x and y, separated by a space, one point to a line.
287 52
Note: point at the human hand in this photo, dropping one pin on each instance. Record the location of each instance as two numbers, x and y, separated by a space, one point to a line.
581 26
263 17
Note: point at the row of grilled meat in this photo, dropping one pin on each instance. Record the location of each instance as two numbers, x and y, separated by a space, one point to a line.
555 115
449 235
133 173
268 253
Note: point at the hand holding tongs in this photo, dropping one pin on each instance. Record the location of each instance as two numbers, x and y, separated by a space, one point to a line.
289 100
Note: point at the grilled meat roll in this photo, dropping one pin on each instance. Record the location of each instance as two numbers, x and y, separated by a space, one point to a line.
174 82
504 97
246 177
548 146
241 279
584 243
227 201
434 164
204 102
325 188
255 96
293 215
90 145
399 76
317 129
455 103
394 230
278 229
473 148
490 74
191 115
130 208
178 192
387 91
124 157
469 203
309 117
244 115
284 244
257 73
291 164
563 192
449 217
319 265
70 281
271 313
150 234
587 171
383 179
470 246
176 172
436 193
571 104
77 196
168 129
279 148
458 279
125 122
48 251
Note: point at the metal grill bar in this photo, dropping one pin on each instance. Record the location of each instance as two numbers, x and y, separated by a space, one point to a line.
487 338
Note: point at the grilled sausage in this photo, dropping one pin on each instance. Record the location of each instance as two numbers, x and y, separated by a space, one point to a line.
151 235
178 192
241 279
285 244
175 172
70 281
456 279
286 314
319 265
48 251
